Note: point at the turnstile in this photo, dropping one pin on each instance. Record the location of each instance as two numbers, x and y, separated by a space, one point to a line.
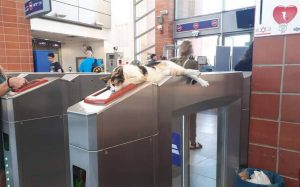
114 144
33 138
35 129
127 142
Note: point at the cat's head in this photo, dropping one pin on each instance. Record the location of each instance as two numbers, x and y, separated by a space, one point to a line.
117 78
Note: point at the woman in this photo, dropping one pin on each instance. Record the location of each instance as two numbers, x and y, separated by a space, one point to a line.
187 61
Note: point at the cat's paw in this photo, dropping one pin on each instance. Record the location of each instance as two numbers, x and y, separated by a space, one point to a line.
204 83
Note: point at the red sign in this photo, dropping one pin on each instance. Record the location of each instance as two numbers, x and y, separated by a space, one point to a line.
196 25
214 23
283 14
179 28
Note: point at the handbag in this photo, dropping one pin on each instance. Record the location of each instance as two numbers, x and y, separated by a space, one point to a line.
95 67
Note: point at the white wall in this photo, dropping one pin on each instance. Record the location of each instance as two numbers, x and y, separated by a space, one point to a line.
121 34
71 50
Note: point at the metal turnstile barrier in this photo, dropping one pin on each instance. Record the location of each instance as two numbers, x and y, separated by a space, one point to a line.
127 142
35 129
108 142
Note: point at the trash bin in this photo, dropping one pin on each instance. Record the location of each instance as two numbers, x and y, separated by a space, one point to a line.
275 179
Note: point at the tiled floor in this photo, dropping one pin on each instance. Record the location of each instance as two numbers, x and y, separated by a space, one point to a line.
203 163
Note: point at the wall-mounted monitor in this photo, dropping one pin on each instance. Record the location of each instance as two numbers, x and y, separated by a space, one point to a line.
202 60
35 8
245 18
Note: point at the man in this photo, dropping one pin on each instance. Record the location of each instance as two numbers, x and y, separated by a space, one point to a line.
152 61
54 66
90 62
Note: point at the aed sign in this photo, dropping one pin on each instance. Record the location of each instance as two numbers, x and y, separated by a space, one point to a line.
277 17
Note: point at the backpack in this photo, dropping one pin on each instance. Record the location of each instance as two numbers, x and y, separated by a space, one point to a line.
95 67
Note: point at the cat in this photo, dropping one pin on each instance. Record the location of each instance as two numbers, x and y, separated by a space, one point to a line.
126 74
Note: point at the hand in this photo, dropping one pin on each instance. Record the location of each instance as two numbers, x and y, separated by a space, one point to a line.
17 82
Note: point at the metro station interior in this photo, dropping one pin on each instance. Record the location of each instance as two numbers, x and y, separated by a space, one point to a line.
65 122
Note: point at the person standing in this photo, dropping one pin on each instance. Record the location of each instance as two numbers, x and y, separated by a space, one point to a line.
187 61
88 64
54 66
152 61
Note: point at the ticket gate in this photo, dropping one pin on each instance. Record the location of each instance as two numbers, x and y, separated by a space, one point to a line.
111 138
32 122
126 141
34 129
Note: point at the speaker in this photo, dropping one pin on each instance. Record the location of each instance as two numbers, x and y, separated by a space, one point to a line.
245 18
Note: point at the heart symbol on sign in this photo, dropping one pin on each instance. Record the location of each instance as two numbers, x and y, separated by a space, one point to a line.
283 14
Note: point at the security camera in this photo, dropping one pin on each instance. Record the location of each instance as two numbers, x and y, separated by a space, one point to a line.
163 12
100 24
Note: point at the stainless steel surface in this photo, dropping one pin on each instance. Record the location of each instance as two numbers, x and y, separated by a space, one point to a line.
36 156
178 98
245 119
121 121
37 128
135 116
228 150
121 134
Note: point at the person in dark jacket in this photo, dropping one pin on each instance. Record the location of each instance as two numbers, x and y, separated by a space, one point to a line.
245 64
152 61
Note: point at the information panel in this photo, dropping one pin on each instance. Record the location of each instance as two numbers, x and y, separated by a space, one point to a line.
276 17
35 8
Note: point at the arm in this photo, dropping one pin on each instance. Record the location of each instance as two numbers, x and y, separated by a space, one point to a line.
3 88
100 63
13 82
60 70
81 67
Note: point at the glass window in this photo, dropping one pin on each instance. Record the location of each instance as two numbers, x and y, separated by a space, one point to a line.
204 46
145 23
238 40
145 41
190 8
144 56
143 7
236 4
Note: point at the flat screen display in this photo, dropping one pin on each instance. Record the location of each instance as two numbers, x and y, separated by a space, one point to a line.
245 18
5 142
202 60
79 177
35 8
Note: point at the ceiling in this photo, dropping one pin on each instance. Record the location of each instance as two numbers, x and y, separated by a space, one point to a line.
62 38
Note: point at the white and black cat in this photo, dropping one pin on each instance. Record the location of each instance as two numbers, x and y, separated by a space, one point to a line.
126 74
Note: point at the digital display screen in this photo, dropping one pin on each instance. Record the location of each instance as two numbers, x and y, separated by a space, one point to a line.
79 177
5 142
34 8
111 57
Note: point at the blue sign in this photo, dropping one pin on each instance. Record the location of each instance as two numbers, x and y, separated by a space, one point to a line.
37 7
176 158
200 25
